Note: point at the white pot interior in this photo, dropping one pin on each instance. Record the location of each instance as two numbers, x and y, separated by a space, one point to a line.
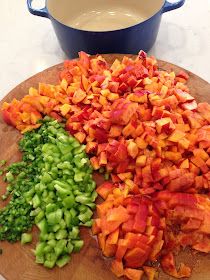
100 15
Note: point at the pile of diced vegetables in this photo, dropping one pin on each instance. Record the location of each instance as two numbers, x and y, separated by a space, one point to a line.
52 187
150 138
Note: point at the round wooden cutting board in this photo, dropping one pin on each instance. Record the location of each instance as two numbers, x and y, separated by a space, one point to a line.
17 262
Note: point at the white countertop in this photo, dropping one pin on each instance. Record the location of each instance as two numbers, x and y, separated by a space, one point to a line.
28 44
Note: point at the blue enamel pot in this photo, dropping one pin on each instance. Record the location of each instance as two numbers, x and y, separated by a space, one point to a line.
111 26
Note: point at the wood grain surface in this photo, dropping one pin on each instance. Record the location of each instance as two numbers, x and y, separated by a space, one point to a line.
18 263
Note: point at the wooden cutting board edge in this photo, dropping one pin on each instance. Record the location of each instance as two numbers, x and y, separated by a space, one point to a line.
17 262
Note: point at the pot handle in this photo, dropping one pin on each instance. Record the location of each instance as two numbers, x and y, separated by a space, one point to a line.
172 6
37 12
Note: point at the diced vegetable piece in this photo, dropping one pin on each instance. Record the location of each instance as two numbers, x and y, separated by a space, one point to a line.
26 238
63 261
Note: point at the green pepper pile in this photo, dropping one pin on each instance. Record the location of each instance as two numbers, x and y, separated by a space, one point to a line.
53 188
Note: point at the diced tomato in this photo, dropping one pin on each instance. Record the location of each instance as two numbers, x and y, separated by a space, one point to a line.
133 274
101 135
150 272
104 189
119 214
117 268
140 218
7 118
135 257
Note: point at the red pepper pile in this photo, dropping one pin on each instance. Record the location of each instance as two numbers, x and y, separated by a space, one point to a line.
144 128
129 228
136 229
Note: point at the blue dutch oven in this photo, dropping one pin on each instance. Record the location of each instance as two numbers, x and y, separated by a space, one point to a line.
98 26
